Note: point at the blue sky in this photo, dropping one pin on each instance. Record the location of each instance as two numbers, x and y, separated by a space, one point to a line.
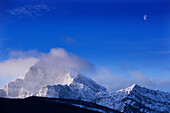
109 34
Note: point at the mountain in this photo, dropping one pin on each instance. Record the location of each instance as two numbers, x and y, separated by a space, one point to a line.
138 99
81 88
48 81
52 82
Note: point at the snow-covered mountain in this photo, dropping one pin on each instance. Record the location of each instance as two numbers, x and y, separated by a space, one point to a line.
42 81
81 88
46 81
137 99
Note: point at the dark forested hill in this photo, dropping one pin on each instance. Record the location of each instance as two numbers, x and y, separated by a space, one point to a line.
49 105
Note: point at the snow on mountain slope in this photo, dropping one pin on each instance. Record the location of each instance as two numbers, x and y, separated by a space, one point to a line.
47 81
81 88
76 91
147 100
138 99
40 76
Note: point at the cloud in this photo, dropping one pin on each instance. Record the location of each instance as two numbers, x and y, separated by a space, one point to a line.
127 66
15 67
69 40
30 10
23 54
60 58
114 82
109 80
163 52
161 83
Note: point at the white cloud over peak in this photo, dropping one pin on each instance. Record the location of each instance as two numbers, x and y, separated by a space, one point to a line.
15 67
58 58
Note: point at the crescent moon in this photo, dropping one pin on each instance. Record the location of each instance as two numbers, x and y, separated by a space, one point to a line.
145 17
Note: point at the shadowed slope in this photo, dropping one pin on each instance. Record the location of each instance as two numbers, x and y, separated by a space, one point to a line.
50 105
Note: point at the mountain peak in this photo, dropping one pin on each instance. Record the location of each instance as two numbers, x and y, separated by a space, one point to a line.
127 91
39 76
134 85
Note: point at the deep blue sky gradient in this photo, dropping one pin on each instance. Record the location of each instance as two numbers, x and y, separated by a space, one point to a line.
107 33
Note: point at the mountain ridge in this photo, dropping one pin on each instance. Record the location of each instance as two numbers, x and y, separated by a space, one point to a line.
68 84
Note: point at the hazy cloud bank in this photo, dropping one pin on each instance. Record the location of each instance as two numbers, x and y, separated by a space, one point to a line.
114 82
15 67
59 58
